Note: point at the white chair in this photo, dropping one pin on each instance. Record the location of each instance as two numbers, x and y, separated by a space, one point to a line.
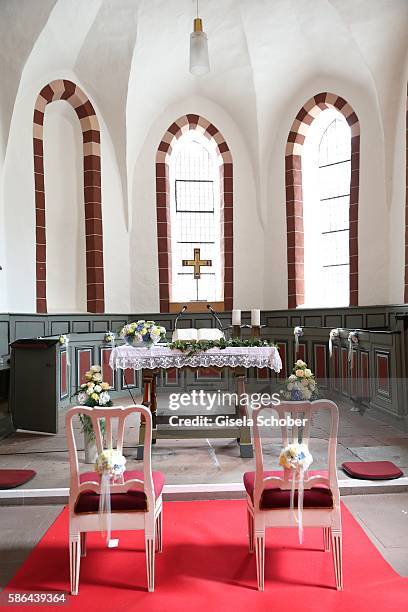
268 493
136 499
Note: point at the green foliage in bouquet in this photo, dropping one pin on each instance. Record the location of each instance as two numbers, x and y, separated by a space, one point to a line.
198 346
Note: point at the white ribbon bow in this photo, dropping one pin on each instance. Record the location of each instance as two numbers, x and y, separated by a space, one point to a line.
334 333
298 458
352 339
110 464
298 331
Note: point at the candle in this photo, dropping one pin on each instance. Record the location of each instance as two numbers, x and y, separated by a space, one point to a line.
236 317
255 317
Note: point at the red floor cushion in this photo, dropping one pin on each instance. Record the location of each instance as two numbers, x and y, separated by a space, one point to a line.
372 470
318 496
132 501
9 479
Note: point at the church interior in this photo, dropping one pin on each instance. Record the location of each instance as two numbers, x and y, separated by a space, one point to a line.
204 304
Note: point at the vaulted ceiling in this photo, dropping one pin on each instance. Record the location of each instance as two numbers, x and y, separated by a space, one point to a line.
131 57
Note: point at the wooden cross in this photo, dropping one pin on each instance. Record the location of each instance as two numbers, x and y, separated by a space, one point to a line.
197 262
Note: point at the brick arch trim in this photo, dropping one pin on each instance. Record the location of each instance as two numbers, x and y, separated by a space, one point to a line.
66 90
294 195
174 132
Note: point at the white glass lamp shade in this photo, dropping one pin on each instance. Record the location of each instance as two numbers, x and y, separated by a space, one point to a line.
199 61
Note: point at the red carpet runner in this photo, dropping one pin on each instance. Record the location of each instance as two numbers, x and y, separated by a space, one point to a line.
205 565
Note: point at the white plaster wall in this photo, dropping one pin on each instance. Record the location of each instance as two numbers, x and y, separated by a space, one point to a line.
373 211
397 205
65 213
18 189
267 60
248 235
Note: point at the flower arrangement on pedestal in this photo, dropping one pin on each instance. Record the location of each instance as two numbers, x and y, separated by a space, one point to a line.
301 384
93 392
143 333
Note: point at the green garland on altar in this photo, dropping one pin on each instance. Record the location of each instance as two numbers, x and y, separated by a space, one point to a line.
199 346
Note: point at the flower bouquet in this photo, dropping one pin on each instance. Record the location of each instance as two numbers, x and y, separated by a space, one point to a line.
143 333
301 384
93 392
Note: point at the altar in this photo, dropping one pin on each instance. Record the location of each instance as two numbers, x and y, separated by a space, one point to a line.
239 359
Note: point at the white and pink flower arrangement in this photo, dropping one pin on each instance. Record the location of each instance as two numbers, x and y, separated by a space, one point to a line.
143 332
301 384
94 392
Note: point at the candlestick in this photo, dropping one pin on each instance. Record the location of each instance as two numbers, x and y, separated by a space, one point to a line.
236 317
255 331
236 331
255 317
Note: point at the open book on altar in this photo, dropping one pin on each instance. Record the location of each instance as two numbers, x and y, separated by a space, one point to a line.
193 334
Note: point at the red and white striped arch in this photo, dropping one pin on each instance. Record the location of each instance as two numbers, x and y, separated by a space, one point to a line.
294 194
177 129
66 90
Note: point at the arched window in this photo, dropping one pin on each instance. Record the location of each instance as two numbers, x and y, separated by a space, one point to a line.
195 220
322 177
194 205
326 182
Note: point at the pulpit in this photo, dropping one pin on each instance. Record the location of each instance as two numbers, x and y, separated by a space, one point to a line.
34 384
6 426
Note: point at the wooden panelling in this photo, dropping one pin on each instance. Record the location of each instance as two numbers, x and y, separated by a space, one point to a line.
343 370
320 361
364 375
129 378
332 321
59 328
313 321
354 375
302 352
107 372
84 360
335 368
81 327
354 321
382 361
277 321
63 370
26 328
100 326
171 377
376 320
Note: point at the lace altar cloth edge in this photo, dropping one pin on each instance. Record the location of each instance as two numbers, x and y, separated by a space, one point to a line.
138 358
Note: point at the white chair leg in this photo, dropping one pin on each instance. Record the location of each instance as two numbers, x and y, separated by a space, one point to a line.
259 536
150 549
250 531
326 538
159 533
83 543
74 561
336 543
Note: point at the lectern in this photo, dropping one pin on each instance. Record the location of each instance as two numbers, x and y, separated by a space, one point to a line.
34 384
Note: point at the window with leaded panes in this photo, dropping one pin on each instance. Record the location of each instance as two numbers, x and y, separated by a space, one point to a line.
195 218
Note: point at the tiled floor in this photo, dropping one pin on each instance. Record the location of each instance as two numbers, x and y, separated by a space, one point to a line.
201 461
383 517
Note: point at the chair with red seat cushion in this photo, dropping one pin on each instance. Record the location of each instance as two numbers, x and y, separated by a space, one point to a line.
268 492
134 500
319 496
136 497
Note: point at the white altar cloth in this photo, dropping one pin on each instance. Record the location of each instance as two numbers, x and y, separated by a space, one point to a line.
161 356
